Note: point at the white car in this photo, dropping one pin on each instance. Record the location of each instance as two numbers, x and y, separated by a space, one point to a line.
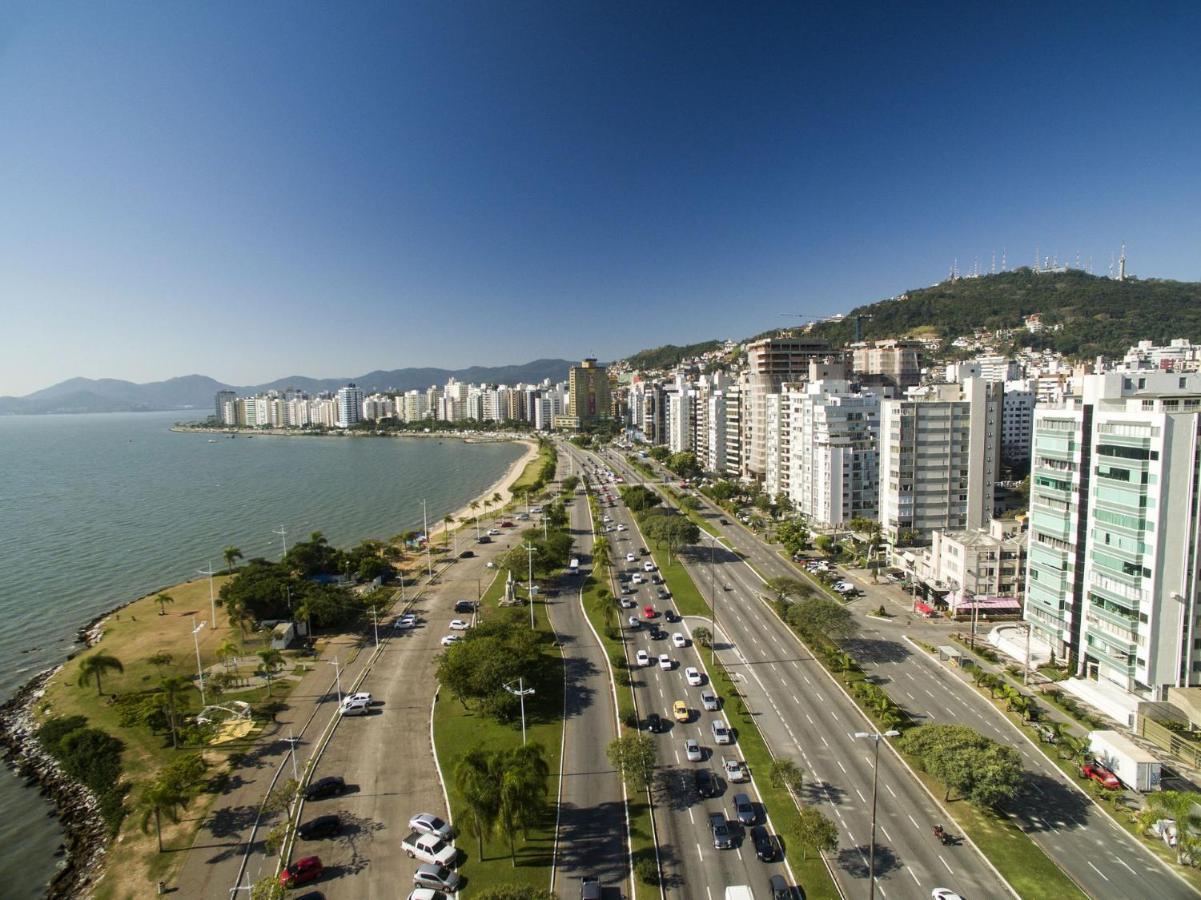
944 894
459 625
678 640
351 708
627 603
734 771
451 639
693 676
408 620
636 578
642 658
621 528
721 732
635 622
493 532
665 662
692 750
648 566
630 557
428 823
361 697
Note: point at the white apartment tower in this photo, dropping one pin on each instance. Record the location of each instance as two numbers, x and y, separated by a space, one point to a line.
350 406
940 449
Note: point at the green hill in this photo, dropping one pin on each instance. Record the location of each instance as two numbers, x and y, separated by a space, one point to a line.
1099 316
669 355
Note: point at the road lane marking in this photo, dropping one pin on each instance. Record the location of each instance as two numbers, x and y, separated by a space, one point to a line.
913 875
891 791
1123 863
911 819
841 766
886 834
1095 869
952 871
860 793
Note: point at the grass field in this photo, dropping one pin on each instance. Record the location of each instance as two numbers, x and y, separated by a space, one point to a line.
458 730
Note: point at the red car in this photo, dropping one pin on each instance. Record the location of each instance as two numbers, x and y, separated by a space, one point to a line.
302 871
506 524
649 612
1101 775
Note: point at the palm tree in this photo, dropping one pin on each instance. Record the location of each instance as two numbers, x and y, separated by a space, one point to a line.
523 791
162 600
600 553
96 665
232 554
161 798
173 689
235 610
447 521
227 650
476 782
273 661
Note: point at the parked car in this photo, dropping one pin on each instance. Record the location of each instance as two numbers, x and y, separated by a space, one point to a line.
451 639
428 823
320 827
429 848
467 554
434 876
459 625
302 871
766 848
421 894
464 606
329 786
1101 775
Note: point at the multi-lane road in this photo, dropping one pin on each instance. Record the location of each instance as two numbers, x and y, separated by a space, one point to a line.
804 715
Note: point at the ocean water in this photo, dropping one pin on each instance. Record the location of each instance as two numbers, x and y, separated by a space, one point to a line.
96 510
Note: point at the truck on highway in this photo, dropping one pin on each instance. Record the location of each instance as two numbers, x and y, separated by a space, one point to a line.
429 848
1134 766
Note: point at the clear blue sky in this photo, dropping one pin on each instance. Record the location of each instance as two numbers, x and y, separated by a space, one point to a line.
251 190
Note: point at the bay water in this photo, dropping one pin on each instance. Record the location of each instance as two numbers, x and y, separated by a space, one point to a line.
97 510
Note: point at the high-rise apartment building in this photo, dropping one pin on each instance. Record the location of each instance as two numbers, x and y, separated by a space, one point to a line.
940 449
1017 423
587 396
770 363
1111 580
895 362
225 408
350 406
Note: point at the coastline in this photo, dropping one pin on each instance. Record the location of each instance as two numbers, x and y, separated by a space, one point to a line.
85 838
467 437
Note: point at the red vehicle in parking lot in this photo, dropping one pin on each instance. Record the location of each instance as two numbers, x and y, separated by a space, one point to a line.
506 524
1101 775
302 871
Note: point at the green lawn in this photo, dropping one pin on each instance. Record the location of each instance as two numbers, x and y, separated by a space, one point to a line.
457 730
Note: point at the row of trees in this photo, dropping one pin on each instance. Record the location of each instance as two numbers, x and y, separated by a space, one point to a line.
503 791
665 527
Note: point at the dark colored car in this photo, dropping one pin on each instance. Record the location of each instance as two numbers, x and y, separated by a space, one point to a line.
654 724
724 521
657 634
464 606
644 552
705 782
506 524
320 827
329 786
670 615
467 554
483 539
722 839
302 872
765 844
779 888
590 889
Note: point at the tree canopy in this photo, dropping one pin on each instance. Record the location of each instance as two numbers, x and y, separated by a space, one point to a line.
966 762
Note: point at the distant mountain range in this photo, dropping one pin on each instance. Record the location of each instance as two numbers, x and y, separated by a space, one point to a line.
93 395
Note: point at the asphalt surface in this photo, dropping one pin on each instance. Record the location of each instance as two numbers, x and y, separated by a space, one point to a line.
691 866
593 837
1100 856
804 715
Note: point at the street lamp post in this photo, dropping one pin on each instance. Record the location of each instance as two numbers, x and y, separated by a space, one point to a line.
337 676
199 667
529 552
425 527
292 741
874 737
283 537
212 597
521 692
375 623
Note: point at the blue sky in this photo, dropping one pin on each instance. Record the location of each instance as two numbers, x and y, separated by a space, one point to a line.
255 190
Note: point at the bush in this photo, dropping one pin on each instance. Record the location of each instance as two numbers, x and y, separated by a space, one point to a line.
90 756
646 869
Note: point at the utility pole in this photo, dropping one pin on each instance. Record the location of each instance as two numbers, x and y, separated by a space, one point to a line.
521 692
292 741
874 737
199 667
529 552
375 622
283 537
425 527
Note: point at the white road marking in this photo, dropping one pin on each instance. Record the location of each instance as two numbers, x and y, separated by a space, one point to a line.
810 718
1095 869
1123 863
841 766
885 830
860 793
891 791
952 871
913 874
911 819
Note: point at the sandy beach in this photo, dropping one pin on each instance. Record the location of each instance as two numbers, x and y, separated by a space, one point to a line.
464 515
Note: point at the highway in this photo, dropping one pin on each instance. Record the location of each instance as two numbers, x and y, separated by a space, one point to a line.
691 866
593 838
804 715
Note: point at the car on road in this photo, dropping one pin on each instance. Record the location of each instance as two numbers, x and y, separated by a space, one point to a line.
493 532
1101 775
665 662
459 625
657 633
944 894
432 875
648 566
320 827
626 590
621 527
467 554
635 578
734 770
654 724
590 889
693 676
635 622
669 615
354 708
692 750
626 602
721 732
506 524
329 786
678 640
710 701
421 894
778 888
744 809
302 871
483 539
642 658
649 611
724 521
722 839
464 606
428 823
630 557
408 620
643 552
766 848
451 639
681 712
360 697
665 594
705 783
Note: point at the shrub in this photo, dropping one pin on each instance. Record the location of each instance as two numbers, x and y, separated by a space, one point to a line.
646 869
